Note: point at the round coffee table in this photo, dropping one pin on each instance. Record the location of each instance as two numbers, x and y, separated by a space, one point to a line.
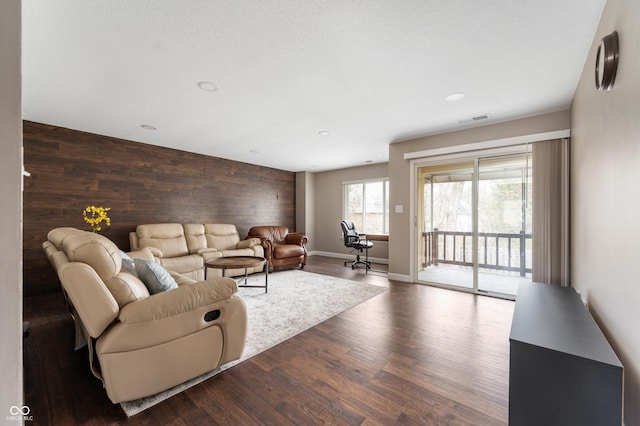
239 262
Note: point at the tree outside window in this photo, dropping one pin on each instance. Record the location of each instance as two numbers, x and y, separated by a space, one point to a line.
366 204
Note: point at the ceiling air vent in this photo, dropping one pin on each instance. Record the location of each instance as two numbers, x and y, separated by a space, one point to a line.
480 117
474 119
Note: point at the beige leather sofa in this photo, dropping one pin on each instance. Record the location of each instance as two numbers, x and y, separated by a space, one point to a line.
184 247
144 343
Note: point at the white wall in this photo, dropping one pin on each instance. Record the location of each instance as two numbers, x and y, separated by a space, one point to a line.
606 196
328 208
305 207
10 209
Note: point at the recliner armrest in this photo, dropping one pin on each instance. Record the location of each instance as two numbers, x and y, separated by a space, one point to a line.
133 241
156 252
149 253
248 243
185 298
207 250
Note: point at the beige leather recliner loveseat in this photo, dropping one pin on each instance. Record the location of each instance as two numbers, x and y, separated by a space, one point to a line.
185 247
144 343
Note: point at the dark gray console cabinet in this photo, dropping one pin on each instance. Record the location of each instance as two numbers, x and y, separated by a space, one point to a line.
562 369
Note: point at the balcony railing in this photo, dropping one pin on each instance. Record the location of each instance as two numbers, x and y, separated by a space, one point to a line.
503 252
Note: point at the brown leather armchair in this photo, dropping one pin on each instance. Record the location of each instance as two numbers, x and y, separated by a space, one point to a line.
281 247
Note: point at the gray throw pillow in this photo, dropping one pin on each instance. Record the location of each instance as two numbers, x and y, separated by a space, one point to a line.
127 264
154 276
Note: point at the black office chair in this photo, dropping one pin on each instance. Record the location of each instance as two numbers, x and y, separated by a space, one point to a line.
356 241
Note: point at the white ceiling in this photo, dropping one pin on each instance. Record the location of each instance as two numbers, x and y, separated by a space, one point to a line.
370 72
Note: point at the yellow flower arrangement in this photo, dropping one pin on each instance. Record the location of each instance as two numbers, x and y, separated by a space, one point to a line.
94 216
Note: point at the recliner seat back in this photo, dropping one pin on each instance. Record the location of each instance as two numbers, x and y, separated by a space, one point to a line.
169 238
221 236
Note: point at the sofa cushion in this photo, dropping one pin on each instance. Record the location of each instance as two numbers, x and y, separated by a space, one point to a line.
95 250
127 288
57 235
243 252
285 251
169 238
194 234
221 236
183 264
154 276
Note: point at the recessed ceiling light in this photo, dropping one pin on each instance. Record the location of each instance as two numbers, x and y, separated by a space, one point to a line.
147 127
454 97
208 86
323 133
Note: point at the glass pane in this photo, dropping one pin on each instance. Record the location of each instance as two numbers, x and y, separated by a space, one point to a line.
355 200
504 223
374 208
446 225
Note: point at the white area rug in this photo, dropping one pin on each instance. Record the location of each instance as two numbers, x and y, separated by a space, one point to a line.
296 301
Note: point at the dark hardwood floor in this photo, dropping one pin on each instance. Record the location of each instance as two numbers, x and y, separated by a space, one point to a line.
411 355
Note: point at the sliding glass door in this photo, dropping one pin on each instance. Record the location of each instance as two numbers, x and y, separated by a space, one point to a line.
446 224
474 223
504 223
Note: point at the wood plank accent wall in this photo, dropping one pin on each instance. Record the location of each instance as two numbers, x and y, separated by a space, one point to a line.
142 184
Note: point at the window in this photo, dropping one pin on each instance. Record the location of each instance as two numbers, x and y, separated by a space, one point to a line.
366 204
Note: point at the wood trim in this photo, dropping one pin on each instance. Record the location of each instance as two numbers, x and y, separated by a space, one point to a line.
377 237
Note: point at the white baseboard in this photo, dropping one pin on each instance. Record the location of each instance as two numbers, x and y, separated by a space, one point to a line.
395 277
400 277
327 254
346 256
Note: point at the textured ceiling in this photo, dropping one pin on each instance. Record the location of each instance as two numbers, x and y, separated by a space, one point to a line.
370 72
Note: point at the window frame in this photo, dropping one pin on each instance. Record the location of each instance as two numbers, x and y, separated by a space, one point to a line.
385 204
